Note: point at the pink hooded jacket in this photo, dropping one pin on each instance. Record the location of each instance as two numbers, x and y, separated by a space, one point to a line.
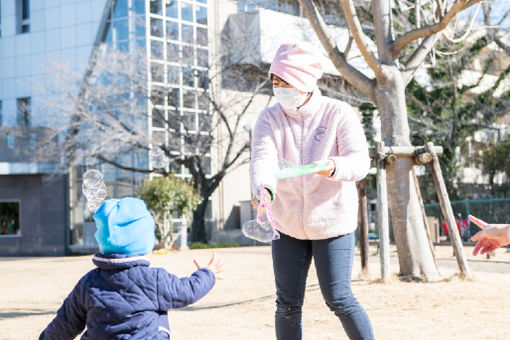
311 207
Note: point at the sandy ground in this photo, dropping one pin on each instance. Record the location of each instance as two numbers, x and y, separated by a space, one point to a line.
242 305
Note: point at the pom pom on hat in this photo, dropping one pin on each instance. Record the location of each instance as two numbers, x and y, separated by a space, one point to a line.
299 65
124 226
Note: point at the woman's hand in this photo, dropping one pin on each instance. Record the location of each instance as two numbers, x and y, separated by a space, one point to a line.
215 265
490 238
328 171
255 202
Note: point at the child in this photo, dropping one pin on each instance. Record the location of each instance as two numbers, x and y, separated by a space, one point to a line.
123 297
491 237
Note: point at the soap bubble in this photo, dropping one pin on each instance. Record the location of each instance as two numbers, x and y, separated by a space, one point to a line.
262 232
92 177
94 189
262 228
159 160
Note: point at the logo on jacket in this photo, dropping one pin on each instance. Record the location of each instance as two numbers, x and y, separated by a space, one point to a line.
320 133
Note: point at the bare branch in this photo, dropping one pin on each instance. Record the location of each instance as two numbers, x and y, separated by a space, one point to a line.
350 73
417 58
468 30
360 38
429 30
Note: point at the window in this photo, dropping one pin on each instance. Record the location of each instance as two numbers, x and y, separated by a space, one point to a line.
0 20
23 15
23 113
1 113
9 218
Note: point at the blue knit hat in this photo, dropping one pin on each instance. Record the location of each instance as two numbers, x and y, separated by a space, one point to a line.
124 226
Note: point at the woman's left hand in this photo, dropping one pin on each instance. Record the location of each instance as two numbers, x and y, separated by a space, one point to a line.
328 170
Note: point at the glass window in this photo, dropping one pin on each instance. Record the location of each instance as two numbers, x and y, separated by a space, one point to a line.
205 122
202 1
23 16
173 74
10 218
123 46
202 57
1 113
158 137
121 30
189 122
156 7
139 6
188 99
202 36
172 52
174 139
23 112
32 138
187 34
203 79
187 55
203 101
174 122
156 49
172 30
186 11
174 97
158 95
201 14
140 27
158 118
157 28
187 77
121 9
171 9
157 72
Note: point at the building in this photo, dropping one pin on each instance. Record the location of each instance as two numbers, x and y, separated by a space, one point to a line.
182 42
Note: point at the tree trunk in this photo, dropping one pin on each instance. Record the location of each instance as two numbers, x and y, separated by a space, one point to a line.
198 233
415 257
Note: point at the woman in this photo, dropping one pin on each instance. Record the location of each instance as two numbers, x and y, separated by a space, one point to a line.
316 215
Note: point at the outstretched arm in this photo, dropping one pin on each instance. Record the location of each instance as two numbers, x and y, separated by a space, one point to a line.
491 237
174 292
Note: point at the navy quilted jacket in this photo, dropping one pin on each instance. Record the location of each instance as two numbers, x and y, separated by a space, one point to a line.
125 299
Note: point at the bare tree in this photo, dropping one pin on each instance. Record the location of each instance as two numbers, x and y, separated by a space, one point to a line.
115 117
404 34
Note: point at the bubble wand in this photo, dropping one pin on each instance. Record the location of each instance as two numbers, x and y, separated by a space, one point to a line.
264 207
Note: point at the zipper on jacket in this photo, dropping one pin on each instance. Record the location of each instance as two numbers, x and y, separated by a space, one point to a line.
302 177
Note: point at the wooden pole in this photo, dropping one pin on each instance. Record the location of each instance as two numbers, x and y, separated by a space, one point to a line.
447 211
425 221
363 226
382 213
404 151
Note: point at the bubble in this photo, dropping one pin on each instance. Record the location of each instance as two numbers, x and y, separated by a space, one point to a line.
92 177
262 232
94 189
159 159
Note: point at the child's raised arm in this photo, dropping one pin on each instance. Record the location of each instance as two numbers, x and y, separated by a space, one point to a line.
174 292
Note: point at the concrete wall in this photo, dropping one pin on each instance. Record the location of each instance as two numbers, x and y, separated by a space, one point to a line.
43 214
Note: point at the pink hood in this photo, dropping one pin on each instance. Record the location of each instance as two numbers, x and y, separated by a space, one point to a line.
311 206
298 65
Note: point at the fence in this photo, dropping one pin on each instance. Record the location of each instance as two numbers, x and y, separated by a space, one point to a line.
494 210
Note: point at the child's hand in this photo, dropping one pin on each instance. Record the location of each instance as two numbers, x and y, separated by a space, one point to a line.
329 169
215 265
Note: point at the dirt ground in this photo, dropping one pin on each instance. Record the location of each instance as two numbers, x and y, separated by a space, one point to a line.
241 306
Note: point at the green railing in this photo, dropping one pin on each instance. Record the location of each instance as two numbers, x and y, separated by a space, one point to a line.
492 210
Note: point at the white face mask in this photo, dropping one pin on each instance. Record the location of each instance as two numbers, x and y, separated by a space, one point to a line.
289 97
